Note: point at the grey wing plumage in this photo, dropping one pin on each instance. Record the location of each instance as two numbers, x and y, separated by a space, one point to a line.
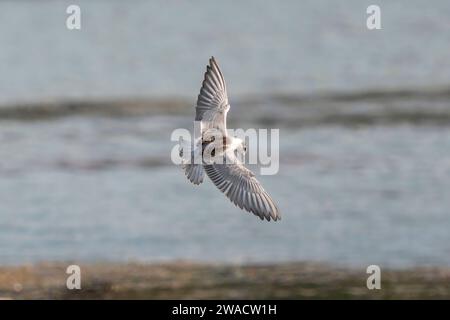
194 172
241 187
212 102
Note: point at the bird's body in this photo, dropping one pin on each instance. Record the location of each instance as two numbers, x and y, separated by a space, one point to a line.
220 152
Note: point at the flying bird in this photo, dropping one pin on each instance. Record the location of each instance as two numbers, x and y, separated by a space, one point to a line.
230 175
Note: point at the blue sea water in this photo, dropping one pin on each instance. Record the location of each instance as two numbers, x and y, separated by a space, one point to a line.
96 188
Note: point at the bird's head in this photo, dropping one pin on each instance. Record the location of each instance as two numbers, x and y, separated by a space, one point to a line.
241 146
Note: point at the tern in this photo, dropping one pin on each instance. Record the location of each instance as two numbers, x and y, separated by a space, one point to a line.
230 175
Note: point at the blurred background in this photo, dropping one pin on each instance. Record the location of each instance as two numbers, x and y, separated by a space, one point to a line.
364 118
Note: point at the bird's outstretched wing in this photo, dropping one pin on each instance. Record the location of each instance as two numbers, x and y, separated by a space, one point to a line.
241 187
212 102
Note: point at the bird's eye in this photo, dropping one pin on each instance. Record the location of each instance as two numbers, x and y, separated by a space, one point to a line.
245 148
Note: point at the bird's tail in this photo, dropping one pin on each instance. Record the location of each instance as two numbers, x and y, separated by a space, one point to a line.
194 172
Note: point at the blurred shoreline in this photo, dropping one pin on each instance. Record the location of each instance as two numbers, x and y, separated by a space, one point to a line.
417 106
190 280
